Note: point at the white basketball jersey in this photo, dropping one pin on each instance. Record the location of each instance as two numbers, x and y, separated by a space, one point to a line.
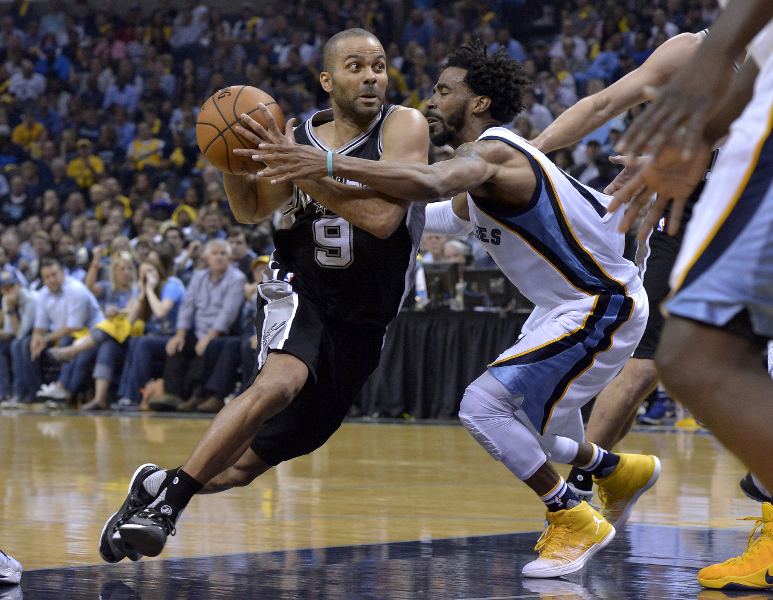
562 245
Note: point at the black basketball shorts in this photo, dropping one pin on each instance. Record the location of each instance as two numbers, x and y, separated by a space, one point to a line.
663 251
340 357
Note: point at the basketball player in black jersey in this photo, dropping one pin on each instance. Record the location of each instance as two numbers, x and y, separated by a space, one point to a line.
335 281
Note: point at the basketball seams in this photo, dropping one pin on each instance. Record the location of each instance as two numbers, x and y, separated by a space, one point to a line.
229 126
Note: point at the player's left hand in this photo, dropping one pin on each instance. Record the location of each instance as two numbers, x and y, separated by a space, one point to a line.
288 163
255 133
672 177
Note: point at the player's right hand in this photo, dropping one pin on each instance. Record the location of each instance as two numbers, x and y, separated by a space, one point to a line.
669 176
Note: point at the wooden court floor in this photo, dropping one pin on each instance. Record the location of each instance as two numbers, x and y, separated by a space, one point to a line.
62 475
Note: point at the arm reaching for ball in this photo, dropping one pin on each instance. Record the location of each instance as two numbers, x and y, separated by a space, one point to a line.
377 213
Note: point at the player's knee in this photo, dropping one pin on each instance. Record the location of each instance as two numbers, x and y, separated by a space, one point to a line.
474 413
678 366
245 475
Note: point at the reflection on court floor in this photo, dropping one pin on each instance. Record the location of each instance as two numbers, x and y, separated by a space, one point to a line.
381 511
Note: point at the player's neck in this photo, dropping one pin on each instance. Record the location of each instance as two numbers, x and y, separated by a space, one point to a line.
472 131
341 130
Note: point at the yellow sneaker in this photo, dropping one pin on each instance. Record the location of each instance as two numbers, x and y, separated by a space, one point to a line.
571 538
754 568
634 475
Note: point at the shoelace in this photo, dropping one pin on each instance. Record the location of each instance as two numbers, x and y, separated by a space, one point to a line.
551 535
153 515
135 505
751 544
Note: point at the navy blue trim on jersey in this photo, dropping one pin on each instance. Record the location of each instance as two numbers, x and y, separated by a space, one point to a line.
581 253
532 373
749 202
588 195
574 277
589 277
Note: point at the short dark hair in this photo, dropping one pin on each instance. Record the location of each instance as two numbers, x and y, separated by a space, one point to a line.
50 262
327 50
495 76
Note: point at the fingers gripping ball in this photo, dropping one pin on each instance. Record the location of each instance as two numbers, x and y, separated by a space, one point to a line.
215 126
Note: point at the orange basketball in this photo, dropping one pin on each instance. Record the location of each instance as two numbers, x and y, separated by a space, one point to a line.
220 114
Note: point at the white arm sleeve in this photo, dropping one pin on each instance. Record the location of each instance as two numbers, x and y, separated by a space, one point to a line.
441 218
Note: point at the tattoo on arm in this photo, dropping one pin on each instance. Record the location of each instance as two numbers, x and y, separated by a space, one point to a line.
467 152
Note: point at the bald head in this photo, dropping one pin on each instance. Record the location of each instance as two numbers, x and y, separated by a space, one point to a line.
329 51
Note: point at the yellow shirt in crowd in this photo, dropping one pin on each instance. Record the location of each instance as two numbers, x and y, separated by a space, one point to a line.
146 153
83 174
25 136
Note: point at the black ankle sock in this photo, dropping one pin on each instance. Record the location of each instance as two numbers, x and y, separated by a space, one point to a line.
176 493
561 498
602 464
580 480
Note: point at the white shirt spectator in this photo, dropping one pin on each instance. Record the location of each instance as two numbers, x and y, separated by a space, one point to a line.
74 306
580 47
539 116
27 89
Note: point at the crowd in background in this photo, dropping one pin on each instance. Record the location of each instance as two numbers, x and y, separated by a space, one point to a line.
121 262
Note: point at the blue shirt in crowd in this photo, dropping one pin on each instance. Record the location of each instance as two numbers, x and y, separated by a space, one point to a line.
175 290
74 306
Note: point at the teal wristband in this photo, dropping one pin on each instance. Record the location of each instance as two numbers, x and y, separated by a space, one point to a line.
330 164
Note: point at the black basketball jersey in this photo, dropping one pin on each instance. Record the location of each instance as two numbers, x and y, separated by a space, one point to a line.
352 275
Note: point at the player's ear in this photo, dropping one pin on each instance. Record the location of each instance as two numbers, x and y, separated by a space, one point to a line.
326 80
481 104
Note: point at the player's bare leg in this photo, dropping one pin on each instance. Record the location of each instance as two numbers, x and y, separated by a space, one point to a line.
157 498
243 473
720 378
614 413
616 406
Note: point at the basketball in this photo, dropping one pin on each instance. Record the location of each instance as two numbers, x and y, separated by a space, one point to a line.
219 116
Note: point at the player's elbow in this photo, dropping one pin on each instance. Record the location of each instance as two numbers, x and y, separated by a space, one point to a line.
384 228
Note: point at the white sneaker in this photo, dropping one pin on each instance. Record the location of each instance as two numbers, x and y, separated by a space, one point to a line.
12 402
54 393
44 390
10 569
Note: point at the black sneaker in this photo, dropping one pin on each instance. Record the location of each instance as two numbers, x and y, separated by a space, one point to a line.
112 548
753 491
147 530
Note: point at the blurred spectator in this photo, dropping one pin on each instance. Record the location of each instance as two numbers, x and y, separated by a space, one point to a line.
568 31
53 63
11 243
660 23
16 205
26 133
86 169
7 30
512 47
539 116
210 309
418 29
585 18
11 154
589 169
53 20
27 85
123 93
65 310
241 254
19 306
117 297
145 150
62 183
432 247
